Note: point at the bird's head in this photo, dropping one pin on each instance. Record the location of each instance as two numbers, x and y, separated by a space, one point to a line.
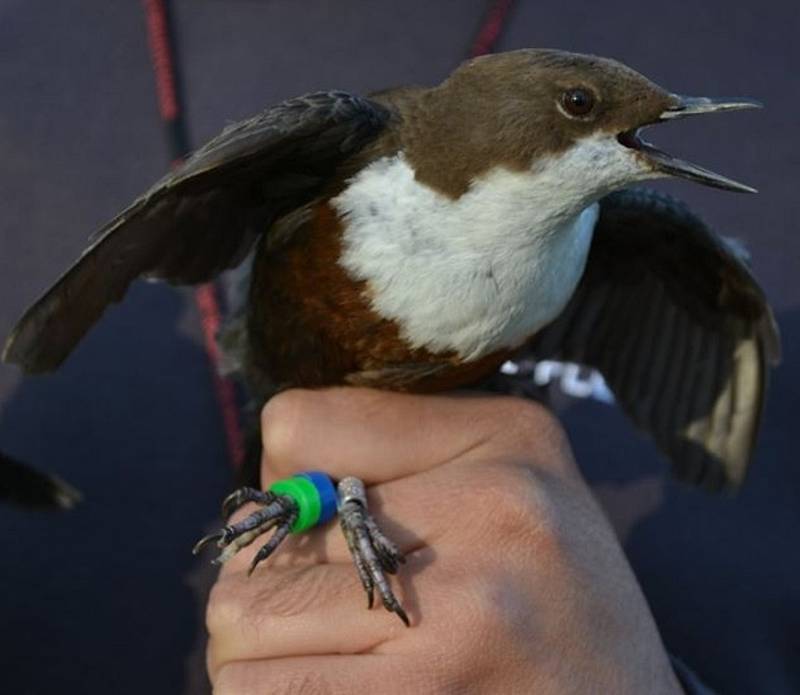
524 109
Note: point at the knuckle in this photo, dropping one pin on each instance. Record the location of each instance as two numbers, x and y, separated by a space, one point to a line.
529 423
528 430
515 504
281 419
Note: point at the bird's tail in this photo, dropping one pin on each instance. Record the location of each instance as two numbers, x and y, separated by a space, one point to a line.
25 486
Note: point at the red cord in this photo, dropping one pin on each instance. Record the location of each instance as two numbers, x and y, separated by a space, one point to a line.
158 38
205 296
493 25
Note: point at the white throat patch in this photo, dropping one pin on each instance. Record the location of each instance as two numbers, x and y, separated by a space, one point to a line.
480 273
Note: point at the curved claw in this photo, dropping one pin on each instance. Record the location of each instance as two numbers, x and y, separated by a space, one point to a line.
230 505
203 542
269 547
398 610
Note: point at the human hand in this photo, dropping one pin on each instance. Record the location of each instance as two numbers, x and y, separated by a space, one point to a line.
514 581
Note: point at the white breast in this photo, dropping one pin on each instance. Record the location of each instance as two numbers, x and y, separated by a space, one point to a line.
472 275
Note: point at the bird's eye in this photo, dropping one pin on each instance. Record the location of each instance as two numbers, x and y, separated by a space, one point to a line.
577 102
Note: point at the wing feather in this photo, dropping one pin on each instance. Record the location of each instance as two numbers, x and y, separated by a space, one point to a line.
202 218
670 314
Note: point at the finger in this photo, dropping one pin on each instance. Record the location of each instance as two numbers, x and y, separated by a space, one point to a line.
380 436
375 435
367 673
414 512
425 508
316 609
417 510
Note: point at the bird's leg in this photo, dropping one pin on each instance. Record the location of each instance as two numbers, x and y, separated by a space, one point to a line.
374 555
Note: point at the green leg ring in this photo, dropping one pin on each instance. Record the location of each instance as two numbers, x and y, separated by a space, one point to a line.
306 496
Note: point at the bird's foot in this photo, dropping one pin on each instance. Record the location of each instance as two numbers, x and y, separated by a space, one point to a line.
374 555
277 511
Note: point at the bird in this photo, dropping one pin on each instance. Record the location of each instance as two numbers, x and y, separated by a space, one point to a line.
417 238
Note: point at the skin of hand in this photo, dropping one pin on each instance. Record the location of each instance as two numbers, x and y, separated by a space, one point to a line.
514 580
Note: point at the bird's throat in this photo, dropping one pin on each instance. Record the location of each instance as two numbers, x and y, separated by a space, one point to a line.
472 276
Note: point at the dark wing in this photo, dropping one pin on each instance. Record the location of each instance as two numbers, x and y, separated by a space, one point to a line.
669 313
203 218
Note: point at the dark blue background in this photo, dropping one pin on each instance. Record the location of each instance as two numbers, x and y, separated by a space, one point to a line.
108 597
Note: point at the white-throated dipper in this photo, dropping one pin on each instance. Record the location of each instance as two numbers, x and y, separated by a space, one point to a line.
418 238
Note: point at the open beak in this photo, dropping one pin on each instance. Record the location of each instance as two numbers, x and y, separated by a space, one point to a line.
672 166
